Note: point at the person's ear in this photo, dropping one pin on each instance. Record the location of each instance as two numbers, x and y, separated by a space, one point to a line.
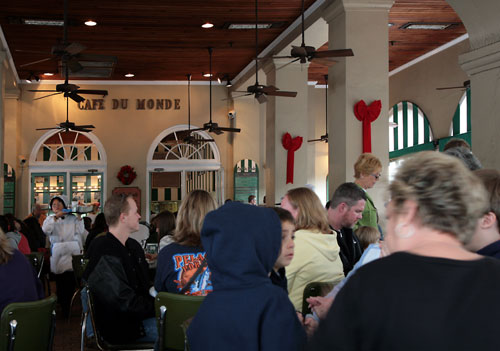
488 220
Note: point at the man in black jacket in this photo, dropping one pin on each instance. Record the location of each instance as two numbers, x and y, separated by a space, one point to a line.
346 208
117 275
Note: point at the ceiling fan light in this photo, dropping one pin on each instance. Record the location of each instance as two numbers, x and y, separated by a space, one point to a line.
207 75
90 23
48 74
229 84
207 25
129 75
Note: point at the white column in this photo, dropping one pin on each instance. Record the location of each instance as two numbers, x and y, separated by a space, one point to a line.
361 25
285 114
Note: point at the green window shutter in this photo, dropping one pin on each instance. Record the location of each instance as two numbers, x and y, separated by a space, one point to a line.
60 154
416 132
88 153
469 127
168 194
395 130
46 153
405 124
154 194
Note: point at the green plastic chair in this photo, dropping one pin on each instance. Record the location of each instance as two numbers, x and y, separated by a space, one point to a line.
28 325
79 264
36 259
315 289
102 344
173 312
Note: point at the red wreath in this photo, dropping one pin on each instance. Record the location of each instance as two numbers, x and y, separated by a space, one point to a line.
126 175
367 114
291 145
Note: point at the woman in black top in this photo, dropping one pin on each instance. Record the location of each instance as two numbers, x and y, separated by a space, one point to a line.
430 294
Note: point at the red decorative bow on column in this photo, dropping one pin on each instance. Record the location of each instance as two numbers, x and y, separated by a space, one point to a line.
367 114
291 145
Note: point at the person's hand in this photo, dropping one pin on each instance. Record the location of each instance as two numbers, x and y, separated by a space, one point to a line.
310 326
150 256
59 214
320 305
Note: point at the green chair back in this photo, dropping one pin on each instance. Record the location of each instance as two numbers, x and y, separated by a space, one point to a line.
28 325
36 259
315 289
172 312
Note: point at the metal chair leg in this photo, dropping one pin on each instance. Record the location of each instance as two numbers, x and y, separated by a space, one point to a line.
12 336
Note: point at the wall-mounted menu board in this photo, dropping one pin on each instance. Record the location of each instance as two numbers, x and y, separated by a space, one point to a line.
246 180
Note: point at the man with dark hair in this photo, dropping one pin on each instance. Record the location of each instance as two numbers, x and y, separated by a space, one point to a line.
346 208
486 238
252 200
117 275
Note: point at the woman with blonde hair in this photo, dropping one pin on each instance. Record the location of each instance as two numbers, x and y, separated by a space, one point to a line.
367 171
181 265
316 257
430 293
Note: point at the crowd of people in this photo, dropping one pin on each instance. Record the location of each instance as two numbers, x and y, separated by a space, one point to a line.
427 282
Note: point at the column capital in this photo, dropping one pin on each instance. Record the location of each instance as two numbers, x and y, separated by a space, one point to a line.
339 7
480 60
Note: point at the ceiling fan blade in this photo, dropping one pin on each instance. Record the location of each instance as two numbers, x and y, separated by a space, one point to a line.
46 96
85 126
74 48
94 92
448 88
74 65
261 98
43 91
283 93
269 89
229 129
35 62
235 97
80 129
49 128
282 57
334 53
74 96
314 140
324 61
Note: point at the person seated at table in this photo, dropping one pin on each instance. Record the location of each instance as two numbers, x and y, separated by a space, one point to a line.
117 276
164 224
181 265
99 228
245 311
430 293
18 279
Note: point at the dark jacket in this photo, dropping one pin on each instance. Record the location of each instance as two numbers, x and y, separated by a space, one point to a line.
18 281
491 250
245 311
279 279
350 249
117 276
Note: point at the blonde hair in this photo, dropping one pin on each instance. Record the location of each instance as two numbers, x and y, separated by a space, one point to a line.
366 164
367 235
190 217
311 213
450 198
6 251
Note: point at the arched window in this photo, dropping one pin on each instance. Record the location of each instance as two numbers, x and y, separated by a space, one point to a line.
177 166
461 123
409 132
68 163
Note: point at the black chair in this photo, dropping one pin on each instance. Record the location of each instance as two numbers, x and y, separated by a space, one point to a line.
315 289
36 259
28 325
79 264
102 344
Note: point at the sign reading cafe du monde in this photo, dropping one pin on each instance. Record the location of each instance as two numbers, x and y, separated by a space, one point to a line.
124 104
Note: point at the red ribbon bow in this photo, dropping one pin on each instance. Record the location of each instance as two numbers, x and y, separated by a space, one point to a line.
291 145
367 114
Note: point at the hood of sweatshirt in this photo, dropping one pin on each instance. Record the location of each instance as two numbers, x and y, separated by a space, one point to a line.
242 243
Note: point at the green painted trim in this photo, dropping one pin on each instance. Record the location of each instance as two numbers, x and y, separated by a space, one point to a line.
405 124
415 125
167 195
46 153
469 110
154 194
427 136
410 150
395 130
74 152
456 121
88 153
179 193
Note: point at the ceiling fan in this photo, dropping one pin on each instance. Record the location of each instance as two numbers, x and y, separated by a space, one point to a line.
324 137
67 126
71 53
306 53
213 127
260 91
466 85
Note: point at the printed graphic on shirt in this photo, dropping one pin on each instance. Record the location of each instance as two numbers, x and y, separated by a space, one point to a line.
186 266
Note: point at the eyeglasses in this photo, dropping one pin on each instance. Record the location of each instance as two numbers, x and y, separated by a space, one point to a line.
377 176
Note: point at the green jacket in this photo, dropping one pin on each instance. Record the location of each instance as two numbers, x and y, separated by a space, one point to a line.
370 215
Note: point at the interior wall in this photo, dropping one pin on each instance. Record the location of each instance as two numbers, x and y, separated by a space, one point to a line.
418 84
126 134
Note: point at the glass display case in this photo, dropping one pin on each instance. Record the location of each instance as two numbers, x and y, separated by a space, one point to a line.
45 186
